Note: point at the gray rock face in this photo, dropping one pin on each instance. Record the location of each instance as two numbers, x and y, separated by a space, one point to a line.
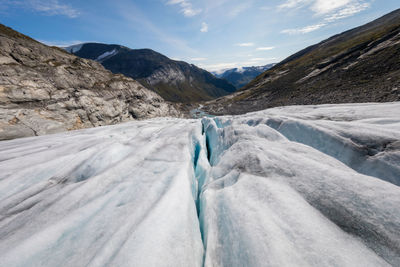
167 75
46 90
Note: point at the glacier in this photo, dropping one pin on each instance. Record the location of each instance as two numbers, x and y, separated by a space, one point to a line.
288 186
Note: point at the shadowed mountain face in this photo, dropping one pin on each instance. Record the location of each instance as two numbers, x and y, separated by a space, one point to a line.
174 80
360 65
46 90
240 77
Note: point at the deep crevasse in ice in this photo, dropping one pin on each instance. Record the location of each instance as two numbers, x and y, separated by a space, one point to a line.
112 196
293 186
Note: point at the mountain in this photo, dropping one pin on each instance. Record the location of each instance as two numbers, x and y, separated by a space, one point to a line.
240 77
313 186
359 65
175 81
46 90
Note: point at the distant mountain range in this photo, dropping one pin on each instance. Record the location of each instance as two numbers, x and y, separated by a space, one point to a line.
240 77
359 65
175 81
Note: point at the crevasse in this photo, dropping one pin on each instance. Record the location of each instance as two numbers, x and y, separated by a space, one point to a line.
226 191
257 182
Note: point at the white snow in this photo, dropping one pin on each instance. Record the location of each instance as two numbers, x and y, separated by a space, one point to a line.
240 69
73 48
291 186
107 54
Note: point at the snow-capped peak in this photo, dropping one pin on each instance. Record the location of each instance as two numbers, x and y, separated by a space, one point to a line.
73 48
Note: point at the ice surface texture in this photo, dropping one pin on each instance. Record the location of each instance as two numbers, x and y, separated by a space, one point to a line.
292 186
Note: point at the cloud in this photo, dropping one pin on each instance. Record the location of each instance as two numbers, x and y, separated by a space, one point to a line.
245 44
204 27
49 7
236 10
265 48
266 8
219 66
347 12
256 59
331 10
326 6
186 7
64 43
198 59
317 6
304 30
294 4
54 7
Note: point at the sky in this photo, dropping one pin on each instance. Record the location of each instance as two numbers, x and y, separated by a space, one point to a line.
212 34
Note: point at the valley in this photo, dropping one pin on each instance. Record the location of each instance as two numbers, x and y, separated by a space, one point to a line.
175 81
240 77
356 66
113 156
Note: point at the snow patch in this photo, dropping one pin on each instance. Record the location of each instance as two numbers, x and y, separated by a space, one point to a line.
107 54
73 48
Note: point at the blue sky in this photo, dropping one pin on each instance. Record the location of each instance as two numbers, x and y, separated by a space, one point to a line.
213 34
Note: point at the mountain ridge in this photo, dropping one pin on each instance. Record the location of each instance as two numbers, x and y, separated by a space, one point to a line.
175 81
358 65
240 77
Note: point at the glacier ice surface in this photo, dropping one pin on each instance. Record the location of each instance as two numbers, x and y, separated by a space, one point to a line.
290 186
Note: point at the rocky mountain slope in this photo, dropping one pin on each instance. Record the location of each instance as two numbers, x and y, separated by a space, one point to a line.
46 90
240 77
175 81
359 65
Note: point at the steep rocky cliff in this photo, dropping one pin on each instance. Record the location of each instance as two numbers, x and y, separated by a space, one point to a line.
46 90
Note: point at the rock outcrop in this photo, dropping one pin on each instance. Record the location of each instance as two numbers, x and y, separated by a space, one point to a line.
47 90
